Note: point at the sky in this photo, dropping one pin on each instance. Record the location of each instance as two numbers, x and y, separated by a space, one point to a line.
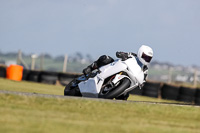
97 27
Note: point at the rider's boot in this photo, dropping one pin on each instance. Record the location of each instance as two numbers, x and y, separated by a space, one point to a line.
103 60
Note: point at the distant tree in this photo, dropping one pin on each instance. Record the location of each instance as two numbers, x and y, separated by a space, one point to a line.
89 58
48 56
79 55
71 59
2 61
59 58
11 54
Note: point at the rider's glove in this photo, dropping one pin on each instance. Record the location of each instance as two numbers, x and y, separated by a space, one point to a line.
90 68
122 55
87 70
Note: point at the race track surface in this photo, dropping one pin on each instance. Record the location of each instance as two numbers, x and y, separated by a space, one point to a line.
95 99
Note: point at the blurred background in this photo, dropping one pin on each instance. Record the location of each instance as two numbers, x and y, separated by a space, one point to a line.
66 36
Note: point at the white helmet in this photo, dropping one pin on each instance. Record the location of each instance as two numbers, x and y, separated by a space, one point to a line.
145 54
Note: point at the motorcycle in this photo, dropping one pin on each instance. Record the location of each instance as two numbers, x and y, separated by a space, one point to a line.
110 81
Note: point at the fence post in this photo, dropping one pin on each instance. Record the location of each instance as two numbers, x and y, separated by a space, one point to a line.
41 62
195 78
20 60
18 57
65 64
34 56
170 75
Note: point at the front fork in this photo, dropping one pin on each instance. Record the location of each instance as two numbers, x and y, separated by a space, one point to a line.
119 77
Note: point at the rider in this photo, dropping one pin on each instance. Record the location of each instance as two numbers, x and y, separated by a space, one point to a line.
143 57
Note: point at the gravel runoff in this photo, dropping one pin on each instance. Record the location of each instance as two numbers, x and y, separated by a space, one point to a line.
95 99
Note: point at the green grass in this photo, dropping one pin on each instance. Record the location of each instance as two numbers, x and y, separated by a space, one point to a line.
32 114
25 86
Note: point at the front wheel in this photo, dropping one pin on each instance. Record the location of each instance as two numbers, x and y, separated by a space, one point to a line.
116 91
72 89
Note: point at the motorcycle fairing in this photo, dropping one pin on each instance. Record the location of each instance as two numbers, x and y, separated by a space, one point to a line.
135 71
119 77
93 85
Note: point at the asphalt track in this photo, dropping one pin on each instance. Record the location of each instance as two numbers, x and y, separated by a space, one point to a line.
95 99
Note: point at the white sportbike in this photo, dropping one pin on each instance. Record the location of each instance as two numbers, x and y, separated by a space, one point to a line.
110 81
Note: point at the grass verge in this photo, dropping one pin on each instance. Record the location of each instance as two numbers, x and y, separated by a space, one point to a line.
25 86
32 114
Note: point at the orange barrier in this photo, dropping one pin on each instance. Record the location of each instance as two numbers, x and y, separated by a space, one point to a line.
14 72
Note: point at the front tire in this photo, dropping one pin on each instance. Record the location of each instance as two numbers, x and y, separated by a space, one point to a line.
121 87
72 89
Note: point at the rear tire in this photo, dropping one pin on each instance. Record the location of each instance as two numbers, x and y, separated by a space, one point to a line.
123 97
123 85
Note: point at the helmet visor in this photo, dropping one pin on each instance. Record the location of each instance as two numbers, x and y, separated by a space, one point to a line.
146 57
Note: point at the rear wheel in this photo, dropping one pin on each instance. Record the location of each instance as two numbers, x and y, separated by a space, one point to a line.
115 91
123 97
